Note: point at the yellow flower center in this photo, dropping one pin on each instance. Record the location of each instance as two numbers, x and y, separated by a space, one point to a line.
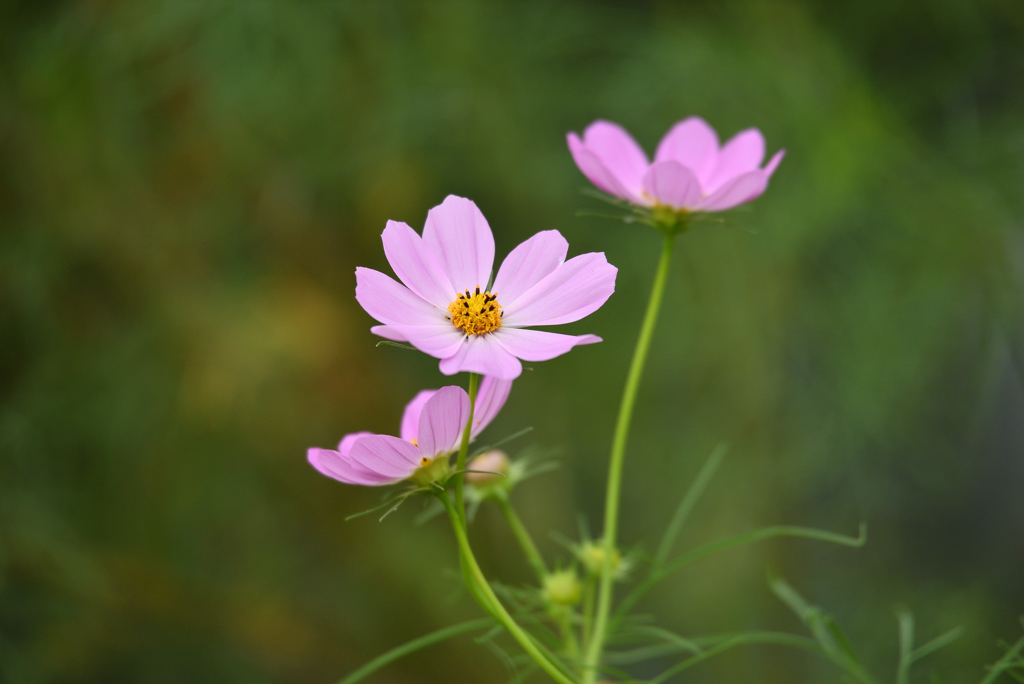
475 314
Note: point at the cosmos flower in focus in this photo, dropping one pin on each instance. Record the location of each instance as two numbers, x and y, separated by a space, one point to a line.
690 172
445 305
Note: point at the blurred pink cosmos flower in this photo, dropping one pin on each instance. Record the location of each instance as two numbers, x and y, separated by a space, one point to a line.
690 171
444 308
432 426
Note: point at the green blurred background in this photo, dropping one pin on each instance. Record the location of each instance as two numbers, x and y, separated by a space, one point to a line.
186 189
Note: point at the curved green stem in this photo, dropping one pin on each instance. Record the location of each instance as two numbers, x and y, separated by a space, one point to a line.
611 511
496 607
460 463
523 535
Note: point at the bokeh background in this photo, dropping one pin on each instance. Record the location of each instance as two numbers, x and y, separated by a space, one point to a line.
186 189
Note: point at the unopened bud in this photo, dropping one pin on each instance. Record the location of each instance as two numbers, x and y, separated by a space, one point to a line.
562 587
494 461
592 556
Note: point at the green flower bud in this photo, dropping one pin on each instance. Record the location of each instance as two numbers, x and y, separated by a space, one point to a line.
562 588
591 555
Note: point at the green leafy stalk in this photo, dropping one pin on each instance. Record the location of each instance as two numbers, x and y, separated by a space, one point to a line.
413 646
906 623
1004 663
687 504
618 453
523 536
551 666
460 463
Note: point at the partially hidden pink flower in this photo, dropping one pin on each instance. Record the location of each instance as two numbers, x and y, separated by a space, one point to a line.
690 170
432 426
443 305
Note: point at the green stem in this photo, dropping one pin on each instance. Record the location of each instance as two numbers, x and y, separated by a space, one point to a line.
523 535
589 587
460 463
611 511
502 615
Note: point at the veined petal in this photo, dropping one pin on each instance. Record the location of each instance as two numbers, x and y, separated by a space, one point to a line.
482 354
411 416
575 289
490 398
440 341
594 169
528 263
737 191
692 143
389 456
539 345
462 241
617 151
415 264
672 184
442 421
334 465
742 154
391 302
345 445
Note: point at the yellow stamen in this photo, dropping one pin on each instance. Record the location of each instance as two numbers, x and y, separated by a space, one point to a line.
424 461
475 313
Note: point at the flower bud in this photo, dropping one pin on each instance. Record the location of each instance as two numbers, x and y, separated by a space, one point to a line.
591 554
494 461
562 588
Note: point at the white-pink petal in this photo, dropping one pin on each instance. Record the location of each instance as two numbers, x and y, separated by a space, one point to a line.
411 415
529 263
773 163
575 289
334 465
482 354
692 143
391 302
389 456
672 184
440 341
539 345
736 191
490 397
618 152
458 234
415 264
442 421
594 169
742 154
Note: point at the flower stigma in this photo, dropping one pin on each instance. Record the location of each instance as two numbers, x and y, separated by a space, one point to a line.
476 313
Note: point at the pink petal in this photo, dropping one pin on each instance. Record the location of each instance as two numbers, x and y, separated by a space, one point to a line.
345 445
440 341
672 184
389 456
334 465
443 419
737 191
539 345
528 263
461 240
415 265
617 151
596 172
773 163
742 154
575 289
692 143
490 398
482 354
391 302
411 416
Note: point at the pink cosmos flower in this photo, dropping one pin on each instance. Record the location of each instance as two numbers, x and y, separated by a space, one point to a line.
432 426
444 307
690 171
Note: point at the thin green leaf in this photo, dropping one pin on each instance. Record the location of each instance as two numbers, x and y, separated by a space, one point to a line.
500 442
1004 663
938 642
688 502
751 638
906 625
401 497
413 646
840 638
400 345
